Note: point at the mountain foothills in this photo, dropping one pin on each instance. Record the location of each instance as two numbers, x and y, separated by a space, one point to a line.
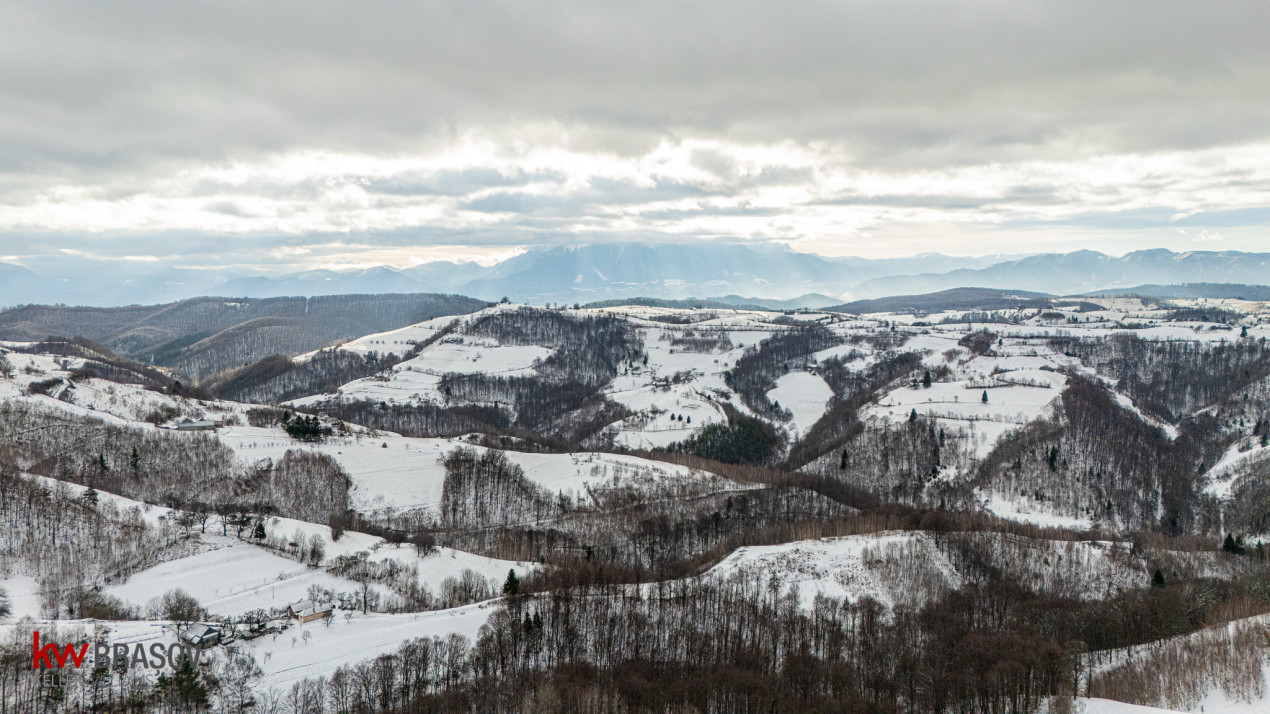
202 336
591 273
977 500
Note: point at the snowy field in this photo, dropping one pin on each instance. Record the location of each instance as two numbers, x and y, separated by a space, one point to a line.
289 657
398 473
232 578
850 568
805 395
1037 514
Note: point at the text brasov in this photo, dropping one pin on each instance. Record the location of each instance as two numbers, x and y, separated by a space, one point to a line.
111 656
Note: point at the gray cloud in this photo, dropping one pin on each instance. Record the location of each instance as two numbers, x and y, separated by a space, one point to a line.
92 85
113 103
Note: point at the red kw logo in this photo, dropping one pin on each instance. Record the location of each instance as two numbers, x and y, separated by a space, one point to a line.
45 655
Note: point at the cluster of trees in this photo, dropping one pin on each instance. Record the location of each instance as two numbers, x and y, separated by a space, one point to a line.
756 372
422 420
1097 459
900 462
1173 379
72 544
1248 509
701 340
279 378
485 489
852 389
644 537
538 405
561 399
747 643
302 428
743 440
192 471
980 343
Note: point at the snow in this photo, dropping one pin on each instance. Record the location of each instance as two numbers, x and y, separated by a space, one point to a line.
1088 705
433 569
805 395
233 578
1033 513
471 356
1019 391
845 568
1217 702
24 596
288 657
407 474
1237 459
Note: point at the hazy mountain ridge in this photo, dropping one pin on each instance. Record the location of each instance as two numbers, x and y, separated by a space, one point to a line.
1086 271
583 273
590 273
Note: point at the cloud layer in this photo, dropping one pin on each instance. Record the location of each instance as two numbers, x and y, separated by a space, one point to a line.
236 134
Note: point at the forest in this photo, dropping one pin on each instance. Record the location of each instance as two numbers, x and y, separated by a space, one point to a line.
637 514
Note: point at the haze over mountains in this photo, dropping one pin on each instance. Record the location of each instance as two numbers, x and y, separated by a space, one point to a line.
612 271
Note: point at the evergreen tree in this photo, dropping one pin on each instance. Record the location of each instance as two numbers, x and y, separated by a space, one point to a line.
511 586
190 693
1233 545
912 416
926 381
260 531
1157 579
304 428
985 396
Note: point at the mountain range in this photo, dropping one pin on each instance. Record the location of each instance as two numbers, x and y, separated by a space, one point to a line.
590 273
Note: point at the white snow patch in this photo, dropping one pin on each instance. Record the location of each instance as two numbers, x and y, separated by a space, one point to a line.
805 395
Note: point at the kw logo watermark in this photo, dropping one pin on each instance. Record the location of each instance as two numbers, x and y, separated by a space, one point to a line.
116 656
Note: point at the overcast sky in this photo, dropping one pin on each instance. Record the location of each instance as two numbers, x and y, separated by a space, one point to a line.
321 134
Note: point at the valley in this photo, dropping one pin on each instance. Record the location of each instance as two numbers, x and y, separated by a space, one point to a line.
496 493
